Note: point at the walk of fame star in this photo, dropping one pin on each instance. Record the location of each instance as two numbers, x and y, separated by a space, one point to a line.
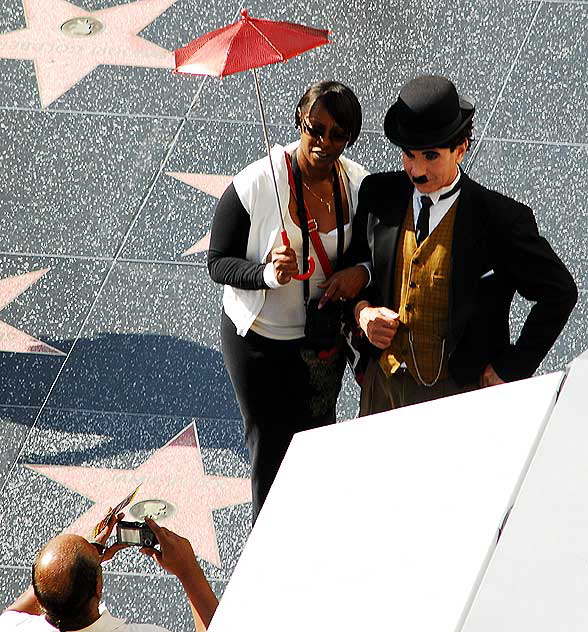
12 339
66 43
212 184
174 473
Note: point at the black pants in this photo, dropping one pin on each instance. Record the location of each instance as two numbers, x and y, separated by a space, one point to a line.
273 387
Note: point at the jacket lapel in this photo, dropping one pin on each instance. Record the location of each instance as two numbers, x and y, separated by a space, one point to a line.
383 230
467 255
383 246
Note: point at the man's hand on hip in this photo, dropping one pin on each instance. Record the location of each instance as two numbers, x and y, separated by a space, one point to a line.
379 324
489 377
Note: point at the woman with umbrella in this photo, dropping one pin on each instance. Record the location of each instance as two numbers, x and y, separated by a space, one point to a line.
279 335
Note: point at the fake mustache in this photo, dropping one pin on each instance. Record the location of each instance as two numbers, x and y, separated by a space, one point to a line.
420 180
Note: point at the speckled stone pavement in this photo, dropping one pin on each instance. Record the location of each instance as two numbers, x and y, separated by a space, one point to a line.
110 363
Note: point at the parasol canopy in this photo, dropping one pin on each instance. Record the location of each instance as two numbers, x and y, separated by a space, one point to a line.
246 44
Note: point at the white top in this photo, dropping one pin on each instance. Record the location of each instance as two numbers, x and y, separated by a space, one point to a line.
283 316
439 207
10 621
255 188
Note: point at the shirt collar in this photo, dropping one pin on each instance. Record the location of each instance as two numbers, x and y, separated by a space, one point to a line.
105 623
435 195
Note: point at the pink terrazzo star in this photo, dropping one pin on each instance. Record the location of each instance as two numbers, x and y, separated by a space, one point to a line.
61 60
212 184
174 473
12 339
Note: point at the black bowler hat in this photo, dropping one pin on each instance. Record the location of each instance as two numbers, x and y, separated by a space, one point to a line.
428 113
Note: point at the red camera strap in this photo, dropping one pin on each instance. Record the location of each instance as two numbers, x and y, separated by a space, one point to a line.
312 225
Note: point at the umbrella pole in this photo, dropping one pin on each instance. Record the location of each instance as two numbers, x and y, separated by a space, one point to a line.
285 240
267 144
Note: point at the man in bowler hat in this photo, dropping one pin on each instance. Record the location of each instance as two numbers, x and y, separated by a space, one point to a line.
447 257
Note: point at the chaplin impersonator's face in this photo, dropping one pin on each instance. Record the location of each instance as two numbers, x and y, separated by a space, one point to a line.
434 168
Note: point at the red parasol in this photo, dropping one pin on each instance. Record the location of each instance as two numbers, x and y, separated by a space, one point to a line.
246 45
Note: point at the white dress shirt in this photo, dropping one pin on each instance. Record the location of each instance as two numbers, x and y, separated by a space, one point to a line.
439 207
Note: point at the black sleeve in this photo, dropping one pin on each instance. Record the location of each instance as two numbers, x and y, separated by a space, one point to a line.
359 249
539 276
228 246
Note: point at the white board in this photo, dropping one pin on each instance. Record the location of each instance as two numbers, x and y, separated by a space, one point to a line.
538 577
387 522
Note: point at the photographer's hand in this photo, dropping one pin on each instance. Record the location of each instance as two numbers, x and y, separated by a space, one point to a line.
102 538
177 557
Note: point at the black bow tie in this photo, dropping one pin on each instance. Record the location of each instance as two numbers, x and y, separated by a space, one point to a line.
453 191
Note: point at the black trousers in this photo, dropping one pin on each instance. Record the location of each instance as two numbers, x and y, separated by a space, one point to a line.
273 387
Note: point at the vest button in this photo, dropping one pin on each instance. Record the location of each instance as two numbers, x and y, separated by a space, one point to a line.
416 262
412 284
408 307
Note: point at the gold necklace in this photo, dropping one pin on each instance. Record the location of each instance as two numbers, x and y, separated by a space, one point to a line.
318 197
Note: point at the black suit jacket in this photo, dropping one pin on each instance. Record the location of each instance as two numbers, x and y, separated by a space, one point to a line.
496 251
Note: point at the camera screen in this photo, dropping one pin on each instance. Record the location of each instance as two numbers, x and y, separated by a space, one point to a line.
130 536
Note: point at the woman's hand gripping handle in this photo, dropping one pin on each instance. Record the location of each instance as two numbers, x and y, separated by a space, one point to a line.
311 264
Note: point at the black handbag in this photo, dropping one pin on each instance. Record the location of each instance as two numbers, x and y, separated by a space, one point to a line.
323 326
322 329
331 329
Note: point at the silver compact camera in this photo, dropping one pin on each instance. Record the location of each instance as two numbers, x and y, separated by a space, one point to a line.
135 534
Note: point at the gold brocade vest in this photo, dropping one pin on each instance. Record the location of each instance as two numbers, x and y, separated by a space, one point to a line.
421 298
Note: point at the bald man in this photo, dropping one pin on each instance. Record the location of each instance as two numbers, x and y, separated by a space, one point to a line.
67 586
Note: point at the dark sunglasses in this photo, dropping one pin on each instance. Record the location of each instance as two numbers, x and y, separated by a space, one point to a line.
319 134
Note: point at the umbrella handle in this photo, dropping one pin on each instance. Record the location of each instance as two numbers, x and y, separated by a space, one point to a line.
311 264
